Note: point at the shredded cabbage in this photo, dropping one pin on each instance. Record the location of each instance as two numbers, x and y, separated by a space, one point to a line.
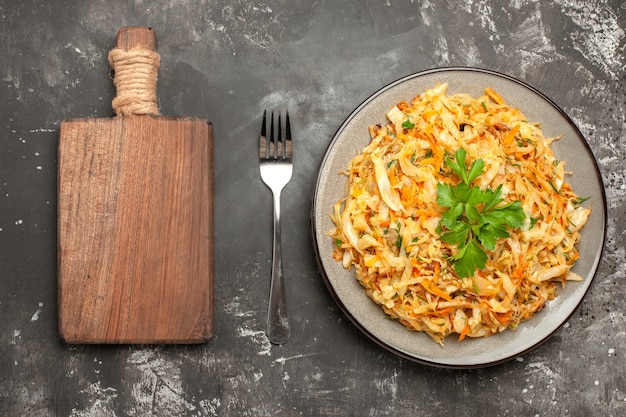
387 225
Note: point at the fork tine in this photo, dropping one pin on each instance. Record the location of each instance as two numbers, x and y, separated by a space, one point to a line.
272 138
275 146
287 151
280 154
263 145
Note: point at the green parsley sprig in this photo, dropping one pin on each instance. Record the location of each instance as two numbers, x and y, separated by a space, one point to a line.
474 219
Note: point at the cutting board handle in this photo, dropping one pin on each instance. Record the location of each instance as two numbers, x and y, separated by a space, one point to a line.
129 37
135 64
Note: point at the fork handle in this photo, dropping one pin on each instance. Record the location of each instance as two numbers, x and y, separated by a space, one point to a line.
278 329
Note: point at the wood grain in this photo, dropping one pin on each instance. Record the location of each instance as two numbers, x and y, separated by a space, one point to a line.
135 230
130 37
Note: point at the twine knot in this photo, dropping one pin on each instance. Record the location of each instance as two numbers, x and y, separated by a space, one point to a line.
135 80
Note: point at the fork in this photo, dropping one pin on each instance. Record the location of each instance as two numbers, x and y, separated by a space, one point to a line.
276 168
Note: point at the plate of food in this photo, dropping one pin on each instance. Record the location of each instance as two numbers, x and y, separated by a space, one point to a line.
458 217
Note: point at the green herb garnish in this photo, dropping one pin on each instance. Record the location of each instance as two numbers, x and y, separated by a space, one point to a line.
533 221
407 124
475 220
556 190
581 200
399 237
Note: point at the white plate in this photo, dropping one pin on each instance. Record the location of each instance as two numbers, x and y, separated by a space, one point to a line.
369 317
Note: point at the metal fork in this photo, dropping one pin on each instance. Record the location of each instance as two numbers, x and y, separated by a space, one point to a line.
276 168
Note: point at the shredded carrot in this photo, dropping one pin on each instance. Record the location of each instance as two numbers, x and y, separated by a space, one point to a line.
509 138
493 95
504 318
403 105
436 272
464 332
435 290
443 312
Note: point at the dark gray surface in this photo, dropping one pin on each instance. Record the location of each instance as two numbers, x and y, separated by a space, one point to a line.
227 61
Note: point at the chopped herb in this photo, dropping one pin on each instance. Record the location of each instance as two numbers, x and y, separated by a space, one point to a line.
399 238
554 187
533 221
484 106
407 124
580 200
474 219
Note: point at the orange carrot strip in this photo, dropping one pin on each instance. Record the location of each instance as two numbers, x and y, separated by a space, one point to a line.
443 312
435 290
504 318
464 332
510 136
491 93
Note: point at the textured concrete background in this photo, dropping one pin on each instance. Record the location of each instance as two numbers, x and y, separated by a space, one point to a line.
227 60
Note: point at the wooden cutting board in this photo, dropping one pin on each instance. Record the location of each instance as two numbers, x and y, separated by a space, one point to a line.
135 215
